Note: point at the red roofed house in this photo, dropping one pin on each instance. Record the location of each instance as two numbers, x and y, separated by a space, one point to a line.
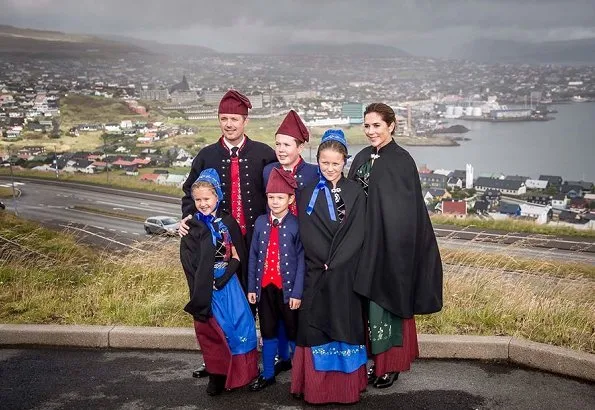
457 208
122 164
155 178
140 162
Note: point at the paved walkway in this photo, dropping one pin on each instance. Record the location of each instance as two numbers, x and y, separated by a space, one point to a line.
69 378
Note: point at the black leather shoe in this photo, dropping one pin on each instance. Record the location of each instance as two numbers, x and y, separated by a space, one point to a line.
216 384
386 380
371 376
282 366
200 372
261 383
297 396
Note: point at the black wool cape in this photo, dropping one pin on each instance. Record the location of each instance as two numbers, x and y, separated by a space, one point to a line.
197 255
331 310
400 267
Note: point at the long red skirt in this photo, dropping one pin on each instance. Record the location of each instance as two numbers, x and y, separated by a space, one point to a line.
324 387
399 358
240 369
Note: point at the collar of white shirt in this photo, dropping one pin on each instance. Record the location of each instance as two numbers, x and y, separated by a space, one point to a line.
229 146
273 218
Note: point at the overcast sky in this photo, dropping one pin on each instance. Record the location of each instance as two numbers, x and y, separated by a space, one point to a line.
421 27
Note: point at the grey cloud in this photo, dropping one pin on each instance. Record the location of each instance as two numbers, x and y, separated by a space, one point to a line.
255 25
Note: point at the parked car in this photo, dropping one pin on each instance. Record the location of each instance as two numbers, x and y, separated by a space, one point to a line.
2 206
162 225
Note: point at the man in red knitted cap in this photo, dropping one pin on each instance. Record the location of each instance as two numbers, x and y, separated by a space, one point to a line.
240 162
276 273
289 144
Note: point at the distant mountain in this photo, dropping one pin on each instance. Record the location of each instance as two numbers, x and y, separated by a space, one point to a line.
161 48
48 43
359 49
507 51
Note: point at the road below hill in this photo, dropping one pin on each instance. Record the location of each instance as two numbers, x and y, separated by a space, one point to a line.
67 206
76 206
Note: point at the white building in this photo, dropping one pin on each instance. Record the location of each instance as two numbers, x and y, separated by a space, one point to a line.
538 212
536 184
468 176
327 122
560 202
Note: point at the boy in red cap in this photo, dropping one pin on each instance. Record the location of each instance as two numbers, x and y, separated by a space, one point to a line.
289 144
276 272
240 162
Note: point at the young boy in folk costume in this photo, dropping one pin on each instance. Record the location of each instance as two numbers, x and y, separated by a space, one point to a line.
290 139
276 273
213 254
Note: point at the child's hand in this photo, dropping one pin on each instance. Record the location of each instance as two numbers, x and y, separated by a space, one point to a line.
294 303
184 228
252 297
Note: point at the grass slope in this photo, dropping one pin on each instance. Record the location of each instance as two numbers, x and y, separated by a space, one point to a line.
47 277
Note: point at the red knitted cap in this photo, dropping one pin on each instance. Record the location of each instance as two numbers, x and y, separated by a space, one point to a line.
281 182
293 126
234 102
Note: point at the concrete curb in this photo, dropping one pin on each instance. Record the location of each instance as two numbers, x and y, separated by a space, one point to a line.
531 354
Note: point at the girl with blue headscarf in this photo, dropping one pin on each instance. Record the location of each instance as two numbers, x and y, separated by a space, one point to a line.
329 363
213 256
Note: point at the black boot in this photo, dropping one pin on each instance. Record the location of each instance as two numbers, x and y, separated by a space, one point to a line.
261 383
200 372
282 366
386 380
216 384
371 376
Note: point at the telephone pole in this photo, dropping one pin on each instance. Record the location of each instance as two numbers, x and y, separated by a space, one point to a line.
56 162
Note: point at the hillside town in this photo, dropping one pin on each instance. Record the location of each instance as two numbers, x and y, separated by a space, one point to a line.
418 88
156 91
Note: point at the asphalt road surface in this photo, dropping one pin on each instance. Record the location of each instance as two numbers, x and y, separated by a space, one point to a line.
115 379
56 205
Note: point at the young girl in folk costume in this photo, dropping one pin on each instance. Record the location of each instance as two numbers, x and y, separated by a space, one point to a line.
212 254
329 364
401 269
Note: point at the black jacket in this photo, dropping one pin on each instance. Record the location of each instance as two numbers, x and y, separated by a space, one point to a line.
331 310
253 157
197 255
400 267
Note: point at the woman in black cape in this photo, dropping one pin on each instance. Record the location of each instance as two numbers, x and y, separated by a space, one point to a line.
329 364
400 270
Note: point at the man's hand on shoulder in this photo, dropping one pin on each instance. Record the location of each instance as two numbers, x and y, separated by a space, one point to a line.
184 228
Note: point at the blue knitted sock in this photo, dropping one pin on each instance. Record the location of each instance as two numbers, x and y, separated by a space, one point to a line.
283 348
269 350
